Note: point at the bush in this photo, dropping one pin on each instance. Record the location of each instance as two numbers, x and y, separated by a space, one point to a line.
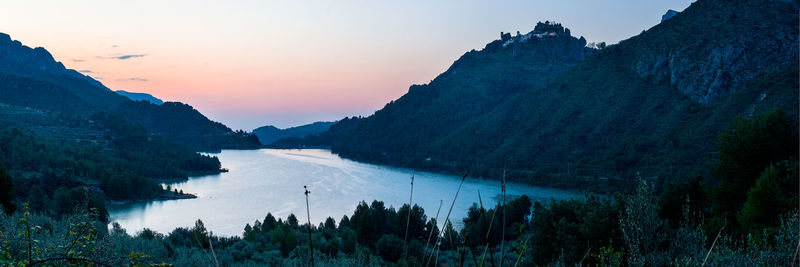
390 247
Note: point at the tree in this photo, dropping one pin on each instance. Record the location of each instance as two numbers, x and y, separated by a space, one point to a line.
344 223
773 195
6 191
349 240
63 201
416 226
37 199
641 225
450 238
390 247
200 234
746 149
269 223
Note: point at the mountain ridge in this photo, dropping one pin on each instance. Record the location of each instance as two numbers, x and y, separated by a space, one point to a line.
653 103
269 133
32 73
140 97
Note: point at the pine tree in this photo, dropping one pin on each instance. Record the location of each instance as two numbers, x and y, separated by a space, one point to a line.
6 191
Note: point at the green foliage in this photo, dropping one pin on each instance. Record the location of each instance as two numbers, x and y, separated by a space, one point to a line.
28 239
747 148
119 165
389 247
676 196
570 228
451 240
774 194
184 125
476 224
641 226
6 191
589 231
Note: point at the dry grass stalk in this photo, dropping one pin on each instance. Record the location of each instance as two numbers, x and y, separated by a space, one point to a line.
408 218
712 245
308 213
503 235
435 220
447 218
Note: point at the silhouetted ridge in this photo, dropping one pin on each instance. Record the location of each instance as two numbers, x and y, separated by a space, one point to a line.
34 79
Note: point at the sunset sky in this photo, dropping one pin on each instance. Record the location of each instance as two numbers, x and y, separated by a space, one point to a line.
287 63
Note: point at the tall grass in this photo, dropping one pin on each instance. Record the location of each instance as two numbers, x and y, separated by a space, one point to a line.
503 234
408 219
308 213
430 235
447 218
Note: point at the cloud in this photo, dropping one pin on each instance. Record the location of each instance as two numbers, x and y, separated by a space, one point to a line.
124 57
113 46
85 71
77 60
97 78
121 57
132 79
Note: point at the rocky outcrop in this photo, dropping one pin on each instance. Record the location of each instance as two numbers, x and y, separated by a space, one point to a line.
670 13
712 64
548 40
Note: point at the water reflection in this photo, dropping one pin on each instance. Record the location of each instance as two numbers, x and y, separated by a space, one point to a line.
271 180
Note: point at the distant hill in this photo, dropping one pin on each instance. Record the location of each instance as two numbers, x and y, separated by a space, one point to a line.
268 134
32 78
140 97
185 125
551 112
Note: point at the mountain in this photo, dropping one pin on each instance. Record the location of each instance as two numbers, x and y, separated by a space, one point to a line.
544 109
32 78
140 97
268 134
66 137
38 64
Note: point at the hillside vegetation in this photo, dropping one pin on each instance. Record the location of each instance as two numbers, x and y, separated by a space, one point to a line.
269 134
32 78
551 112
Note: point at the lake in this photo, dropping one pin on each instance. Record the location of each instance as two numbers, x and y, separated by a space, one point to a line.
272 180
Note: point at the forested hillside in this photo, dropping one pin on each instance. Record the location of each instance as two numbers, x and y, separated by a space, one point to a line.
551 112
68 140
269 134
32 78
58 161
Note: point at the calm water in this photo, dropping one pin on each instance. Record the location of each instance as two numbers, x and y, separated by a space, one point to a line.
271 180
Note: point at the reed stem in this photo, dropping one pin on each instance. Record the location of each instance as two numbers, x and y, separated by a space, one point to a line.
435 221
447 218
408 220
310 242
503 235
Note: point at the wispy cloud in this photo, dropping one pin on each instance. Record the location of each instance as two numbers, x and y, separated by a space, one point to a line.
76 60
97 78
132 79
85 71
124 57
